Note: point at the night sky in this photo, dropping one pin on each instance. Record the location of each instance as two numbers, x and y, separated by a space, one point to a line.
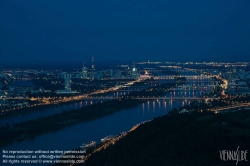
114 30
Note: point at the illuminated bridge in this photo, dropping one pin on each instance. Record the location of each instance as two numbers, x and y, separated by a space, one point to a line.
148 98
135 97
186 76
181 87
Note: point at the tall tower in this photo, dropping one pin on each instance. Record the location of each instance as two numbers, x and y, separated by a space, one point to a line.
93 69
133 65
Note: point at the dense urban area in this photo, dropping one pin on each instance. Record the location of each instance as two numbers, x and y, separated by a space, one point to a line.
218 116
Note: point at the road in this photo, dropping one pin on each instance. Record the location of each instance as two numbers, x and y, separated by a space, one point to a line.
231 107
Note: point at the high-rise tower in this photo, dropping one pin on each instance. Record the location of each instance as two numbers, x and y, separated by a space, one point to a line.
93 63
93 69
135 73
84 72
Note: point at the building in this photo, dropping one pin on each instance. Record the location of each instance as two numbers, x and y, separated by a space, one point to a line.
108 74
98 75
135 73
65 91
84 73
67 81
76 75
93 70
117 74
128 72
67 85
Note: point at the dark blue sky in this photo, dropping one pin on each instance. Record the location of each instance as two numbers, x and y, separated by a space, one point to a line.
62 30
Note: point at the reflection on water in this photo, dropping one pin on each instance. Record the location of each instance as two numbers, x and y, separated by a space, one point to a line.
165 106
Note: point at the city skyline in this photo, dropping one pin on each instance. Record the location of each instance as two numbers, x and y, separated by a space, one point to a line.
111 102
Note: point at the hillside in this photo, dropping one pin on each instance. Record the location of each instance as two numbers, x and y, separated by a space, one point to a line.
180 140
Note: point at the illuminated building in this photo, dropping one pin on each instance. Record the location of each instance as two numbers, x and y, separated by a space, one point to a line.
93 70
67 81
117 74
110 73
84 72
135 73
98 75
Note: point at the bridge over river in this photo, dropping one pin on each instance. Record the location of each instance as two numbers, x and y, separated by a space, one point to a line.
135 97
146 98
186 76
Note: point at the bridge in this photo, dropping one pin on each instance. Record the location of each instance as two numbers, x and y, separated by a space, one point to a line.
123 97
176 89
181 87
171 69
186 76
195 87
14 98
128 90
185 70
146 98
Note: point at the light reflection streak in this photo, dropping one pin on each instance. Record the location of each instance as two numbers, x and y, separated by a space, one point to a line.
143 108
165 106
148 106
154 106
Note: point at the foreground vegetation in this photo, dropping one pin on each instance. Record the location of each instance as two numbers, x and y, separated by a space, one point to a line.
189 139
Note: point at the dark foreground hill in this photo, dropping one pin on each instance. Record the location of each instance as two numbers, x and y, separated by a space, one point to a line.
194 139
